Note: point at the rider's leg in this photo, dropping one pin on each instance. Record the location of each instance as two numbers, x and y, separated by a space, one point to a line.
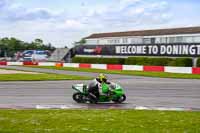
93 92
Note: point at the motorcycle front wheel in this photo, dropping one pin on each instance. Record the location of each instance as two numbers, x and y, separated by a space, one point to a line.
120 100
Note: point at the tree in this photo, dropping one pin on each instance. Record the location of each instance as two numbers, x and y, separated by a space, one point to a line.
9 46
38 41
81 42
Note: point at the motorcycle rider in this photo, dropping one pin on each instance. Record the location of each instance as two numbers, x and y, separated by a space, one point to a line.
95 86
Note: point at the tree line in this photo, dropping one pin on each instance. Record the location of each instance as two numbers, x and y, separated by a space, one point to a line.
10 46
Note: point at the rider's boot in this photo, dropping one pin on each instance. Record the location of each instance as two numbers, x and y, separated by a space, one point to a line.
93 98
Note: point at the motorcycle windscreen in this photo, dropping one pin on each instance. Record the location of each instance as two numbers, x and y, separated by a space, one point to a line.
79 87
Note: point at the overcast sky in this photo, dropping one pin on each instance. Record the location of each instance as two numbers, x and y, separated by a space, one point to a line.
62 22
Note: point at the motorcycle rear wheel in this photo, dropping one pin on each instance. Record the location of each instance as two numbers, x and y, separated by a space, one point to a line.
78 97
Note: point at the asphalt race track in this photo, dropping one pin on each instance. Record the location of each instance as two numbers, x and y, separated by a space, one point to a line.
141 91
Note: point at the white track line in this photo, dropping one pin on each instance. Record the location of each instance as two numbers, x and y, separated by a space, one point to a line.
83 106
135 108
58 107
162 108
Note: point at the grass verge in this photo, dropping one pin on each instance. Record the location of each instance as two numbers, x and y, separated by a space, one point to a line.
39 77
134 73
85 121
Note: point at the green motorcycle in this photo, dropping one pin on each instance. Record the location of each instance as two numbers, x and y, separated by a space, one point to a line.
112 92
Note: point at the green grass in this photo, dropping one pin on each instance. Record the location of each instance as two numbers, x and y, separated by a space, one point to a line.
133 73
39 77
101 121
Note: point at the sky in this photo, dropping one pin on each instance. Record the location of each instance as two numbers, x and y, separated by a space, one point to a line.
62 22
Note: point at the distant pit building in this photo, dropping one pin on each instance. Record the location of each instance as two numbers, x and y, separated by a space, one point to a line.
174 42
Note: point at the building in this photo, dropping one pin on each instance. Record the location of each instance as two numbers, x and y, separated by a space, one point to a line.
160 42
176 35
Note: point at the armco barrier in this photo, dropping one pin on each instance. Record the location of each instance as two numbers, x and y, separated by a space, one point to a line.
114 67
46 64
3 63
15 63
84 65
99 66
154 69
59 64
196 70
75 65
133 67
29 63
186 70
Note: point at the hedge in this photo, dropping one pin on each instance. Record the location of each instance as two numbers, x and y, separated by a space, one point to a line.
198 62
94 60
148 61
185 62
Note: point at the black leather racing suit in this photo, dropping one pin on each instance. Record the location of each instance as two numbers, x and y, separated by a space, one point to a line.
95 86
